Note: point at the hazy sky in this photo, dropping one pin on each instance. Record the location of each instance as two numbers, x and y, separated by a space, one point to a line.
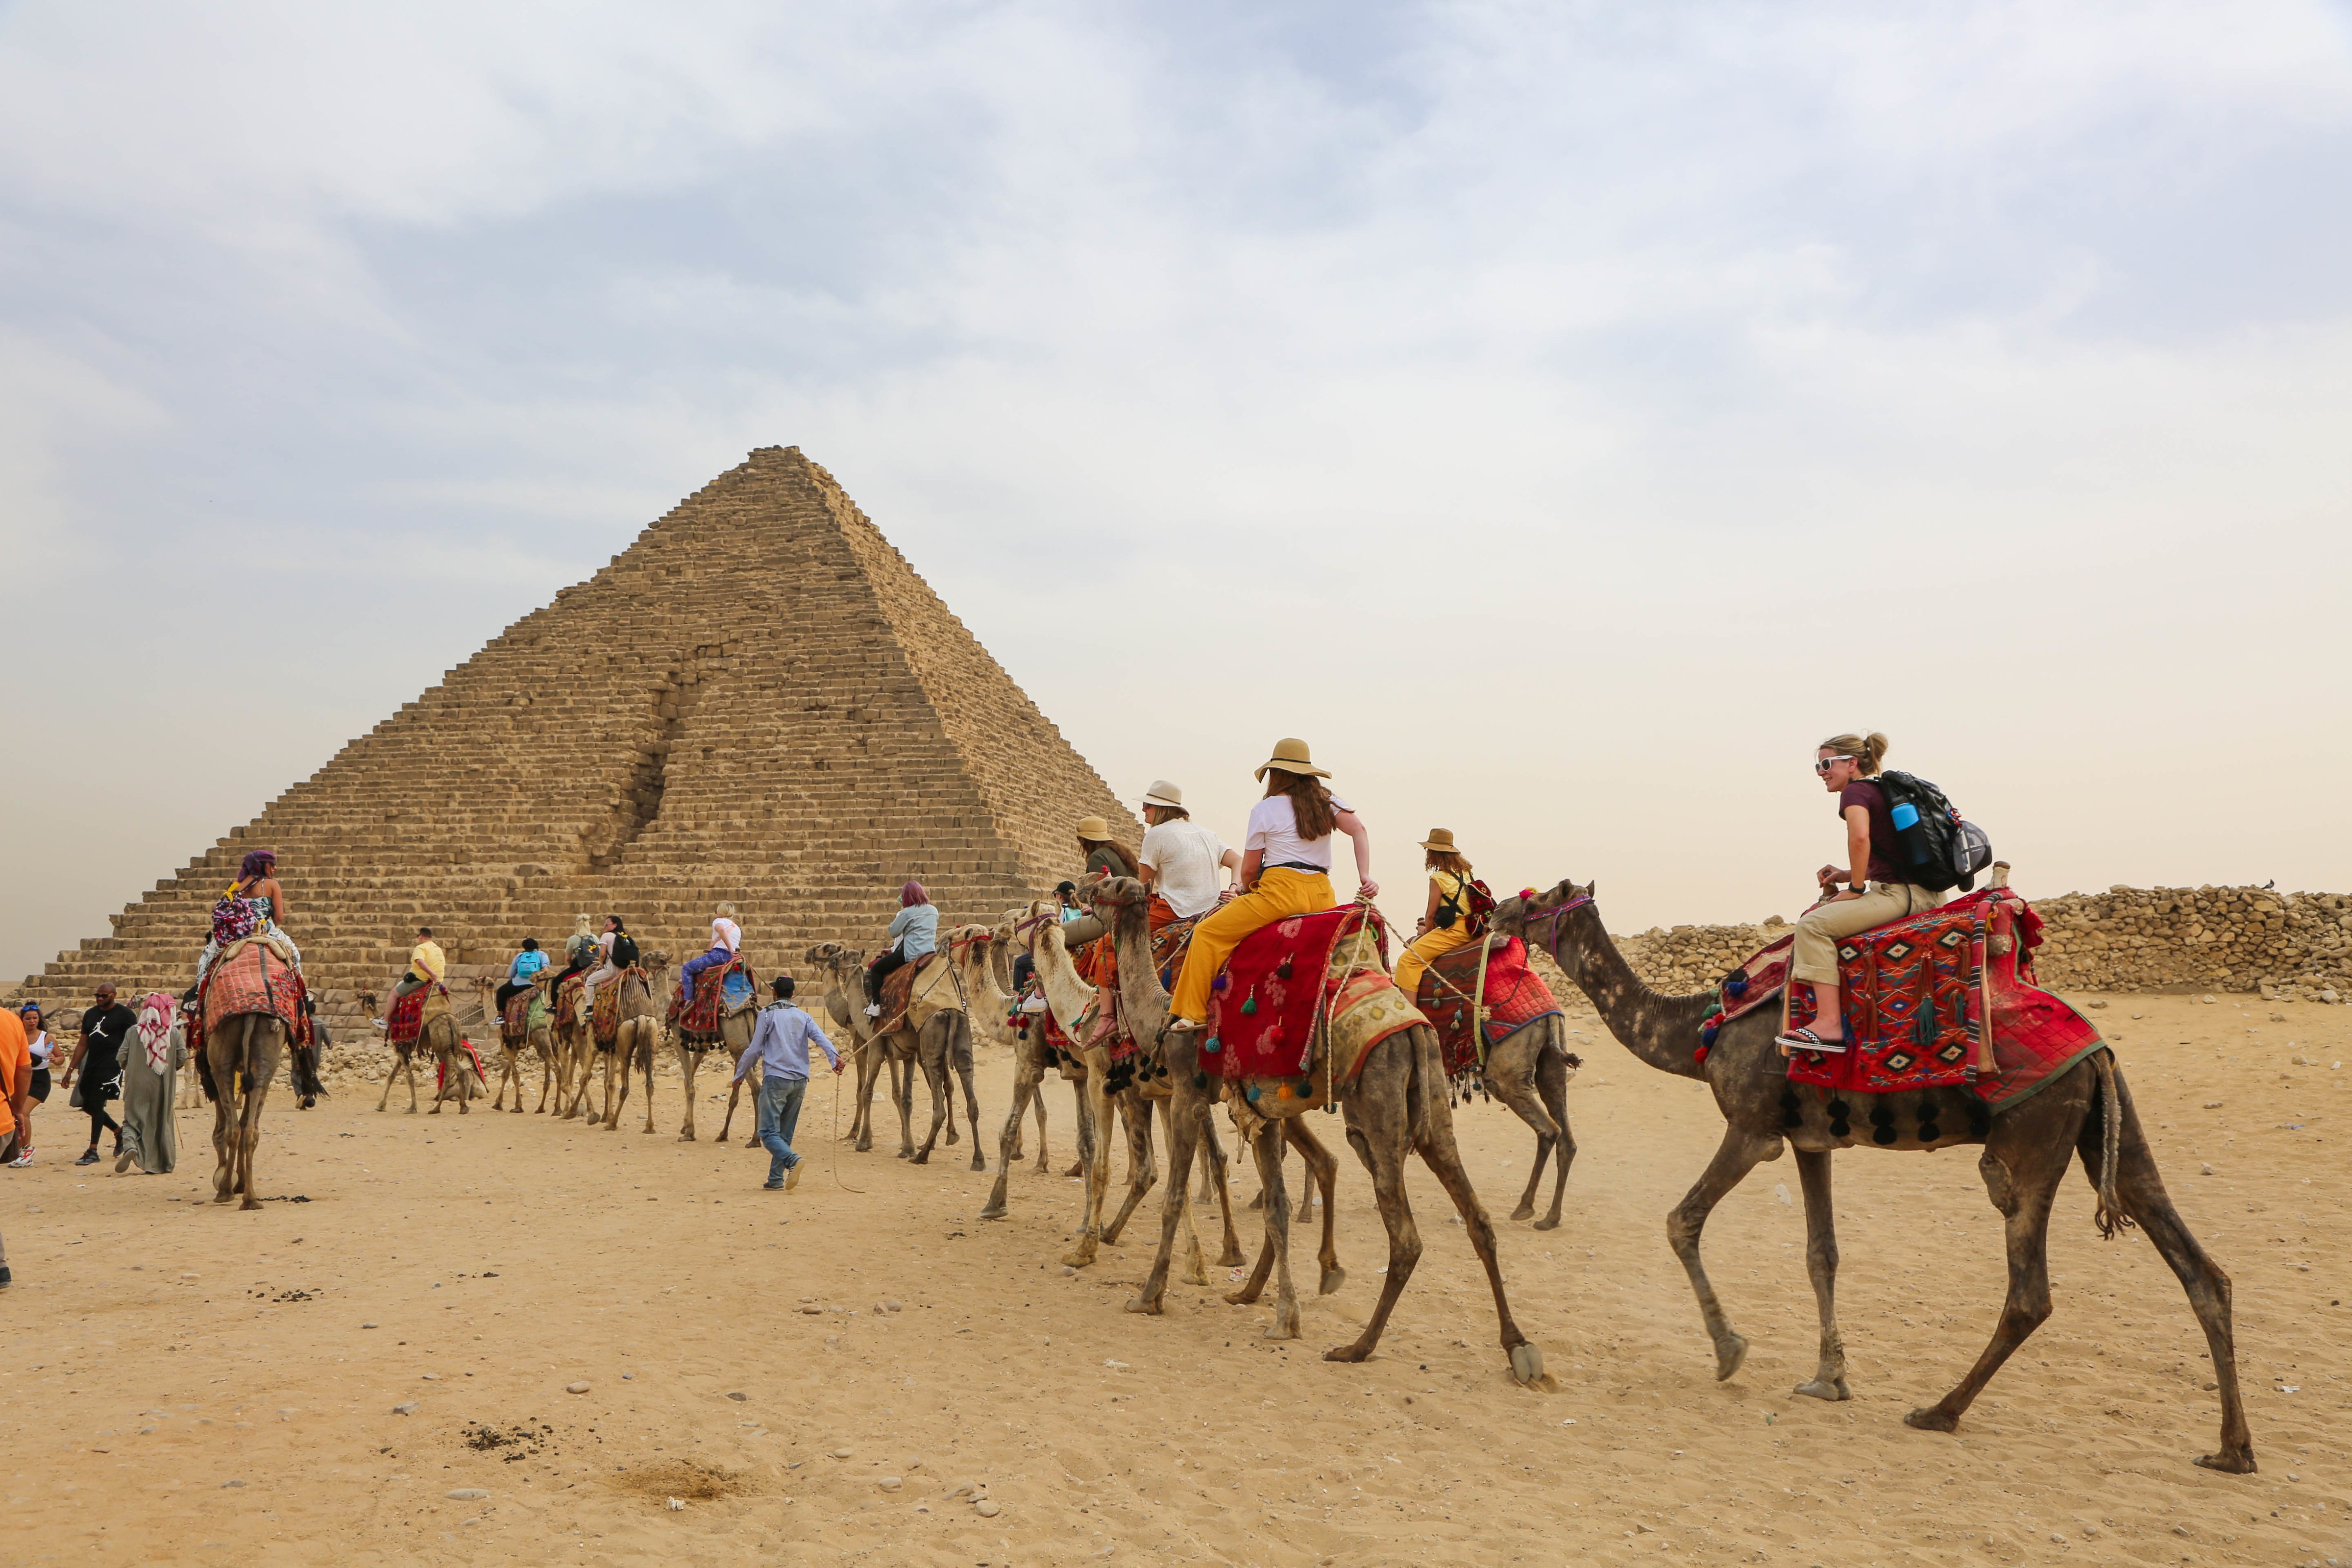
1562 414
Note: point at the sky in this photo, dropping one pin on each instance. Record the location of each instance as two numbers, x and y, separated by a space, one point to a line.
1562 415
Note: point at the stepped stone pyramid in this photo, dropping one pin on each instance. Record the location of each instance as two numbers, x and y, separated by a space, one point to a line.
758 701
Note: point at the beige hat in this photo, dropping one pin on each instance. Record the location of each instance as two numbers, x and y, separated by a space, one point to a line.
1290 756
1162 793
1095 828
1441 838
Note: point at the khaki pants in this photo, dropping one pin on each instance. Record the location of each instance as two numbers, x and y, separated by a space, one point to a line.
588 985
1819 928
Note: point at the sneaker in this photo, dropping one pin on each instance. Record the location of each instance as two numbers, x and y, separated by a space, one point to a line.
6 1278
1033 1005
122 1158
771 1187
1182 1025
792 1176
89 1157
874 1009
21 1160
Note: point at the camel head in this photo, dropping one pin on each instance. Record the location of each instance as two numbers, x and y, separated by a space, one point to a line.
1110 895
969 943
835 958
1023 925
1512 915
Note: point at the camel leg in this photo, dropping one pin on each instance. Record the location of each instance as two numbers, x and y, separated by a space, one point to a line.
685 1064
1510 1079
1828 1381
1037 1105
2139 1188
1737 1154
644 1058
397 1060
1288 1323
224 1066
1325 1168
1027 1079
1086 1129
614 1064
734 1097
931 1052
1551 1082
1439 1151
256 1091
1142 1169
2023 1181
962 1058
1214 1170
544 1048
1097 1111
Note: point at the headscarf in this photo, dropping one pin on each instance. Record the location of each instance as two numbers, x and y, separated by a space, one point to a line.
155 1031
912 894
257 863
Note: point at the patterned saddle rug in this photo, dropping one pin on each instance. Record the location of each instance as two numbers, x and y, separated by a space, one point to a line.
408 1016
717 996
1514 996
1327 969
567 999
898 995
1940 999
607 1021
252 977
526 1011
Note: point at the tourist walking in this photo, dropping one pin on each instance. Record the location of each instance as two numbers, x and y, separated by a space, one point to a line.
780 1043
97 1061
38 1045
150 1073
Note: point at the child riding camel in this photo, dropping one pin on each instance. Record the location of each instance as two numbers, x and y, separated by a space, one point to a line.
1286 871
1875 892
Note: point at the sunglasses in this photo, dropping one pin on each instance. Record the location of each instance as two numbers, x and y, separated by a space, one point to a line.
1823 765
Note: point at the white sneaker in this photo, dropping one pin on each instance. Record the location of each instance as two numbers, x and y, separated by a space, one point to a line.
20 1162
1033 1005
874 1009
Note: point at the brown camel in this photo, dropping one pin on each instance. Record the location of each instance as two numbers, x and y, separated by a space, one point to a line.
1068 994
241 1055
575 1053
1398 1103
1528 1071
734 1034
978 963
845 1005
436 1036
2085 1111
642 986
538 1040
454 1065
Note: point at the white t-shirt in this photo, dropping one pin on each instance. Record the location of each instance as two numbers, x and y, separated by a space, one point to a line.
1274 830
1183 856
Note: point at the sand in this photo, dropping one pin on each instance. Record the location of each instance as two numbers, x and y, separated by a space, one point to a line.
193 1383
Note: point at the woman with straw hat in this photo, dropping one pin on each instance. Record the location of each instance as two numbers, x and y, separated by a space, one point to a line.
1286 871
1444 924
1098 961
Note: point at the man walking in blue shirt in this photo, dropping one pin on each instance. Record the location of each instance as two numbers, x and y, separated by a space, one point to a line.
780 1043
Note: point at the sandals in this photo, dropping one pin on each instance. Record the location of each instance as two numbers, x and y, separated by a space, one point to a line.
1806 1040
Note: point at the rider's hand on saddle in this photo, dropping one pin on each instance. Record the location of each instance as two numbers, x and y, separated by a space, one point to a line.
1368 889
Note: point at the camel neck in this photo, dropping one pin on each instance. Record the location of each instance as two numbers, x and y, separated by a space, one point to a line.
1139 991
1661 1030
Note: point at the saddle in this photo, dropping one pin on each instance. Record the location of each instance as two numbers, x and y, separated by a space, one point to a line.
607 1022
718 995
410 1012
1513 996
252 975
526 1010
567 999
899 995
1304 986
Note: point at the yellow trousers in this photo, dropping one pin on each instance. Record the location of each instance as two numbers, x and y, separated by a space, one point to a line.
1280 893
1416 958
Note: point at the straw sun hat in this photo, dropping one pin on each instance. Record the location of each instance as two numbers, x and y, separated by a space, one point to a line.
1441 838
1162 793
1093 828
1290 756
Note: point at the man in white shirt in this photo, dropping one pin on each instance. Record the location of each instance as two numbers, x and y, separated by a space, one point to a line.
1180 858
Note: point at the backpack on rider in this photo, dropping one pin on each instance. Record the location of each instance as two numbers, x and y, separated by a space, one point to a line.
1938 849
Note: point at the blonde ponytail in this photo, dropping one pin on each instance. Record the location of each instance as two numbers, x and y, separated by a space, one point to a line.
1867 751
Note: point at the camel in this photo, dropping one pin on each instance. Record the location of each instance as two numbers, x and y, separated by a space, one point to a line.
437 1036
1528 1071
940 1045
639 1033
575 1058
2085 1111
845 1004
1041 930
241 1055
977 963
734 1035
1398 1103
539 1041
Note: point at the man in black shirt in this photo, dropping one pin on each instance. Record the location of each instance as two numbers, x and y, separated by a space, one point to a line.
106 1025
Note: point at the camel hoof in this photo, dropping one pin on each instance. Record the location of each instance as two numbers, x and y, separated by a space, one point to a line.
248 1204
1279 1329
1333 1278
993 1211
1077 1170
977 1162
1149 1308
922 1159
1076 1260
1241 1298
1355 1352
2237 1463
1525 1211
1730 1355
687 1136
953 1139
1932 1418
1548 1223
1527 1367
223 1196
1831 1389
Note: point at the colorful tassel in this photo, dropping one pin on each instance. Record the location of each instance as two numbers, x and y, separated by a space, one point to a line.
1249 1006
1213 1045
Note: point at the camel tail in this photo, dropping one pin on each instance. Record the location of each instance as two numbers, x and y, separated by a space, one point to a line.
2112 1220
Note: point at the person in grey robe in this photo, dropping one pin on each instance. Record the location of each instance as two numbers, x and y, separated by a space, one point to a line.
151 1075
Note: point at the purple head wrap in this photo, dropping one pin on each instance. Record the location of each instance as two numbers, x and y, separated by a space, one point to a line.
912 894
257 863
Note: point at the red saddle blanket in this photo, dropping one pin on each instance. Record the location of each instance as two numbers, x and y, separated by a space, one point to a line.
441 1069
1939 1000
1515 996
567 999
711 988
1265 1005
251 980
407 1019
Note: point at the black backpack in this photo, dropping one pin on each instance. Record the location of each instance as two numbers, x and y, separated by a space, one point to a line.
1472 899
624 951
1937 848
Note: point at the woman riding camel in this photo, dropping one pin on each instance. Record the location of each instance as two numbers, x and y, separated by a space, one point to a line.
726 941
914 932
256 884
1286 871
608 964
1098 961
1444 924
523 972
1874 890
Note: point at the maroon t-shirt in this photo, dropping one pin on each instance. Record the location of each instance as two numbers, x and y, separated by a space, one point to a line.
1873 799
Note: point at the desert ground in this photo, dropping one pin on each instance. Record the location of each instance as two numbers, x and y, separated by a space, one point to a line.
374 1368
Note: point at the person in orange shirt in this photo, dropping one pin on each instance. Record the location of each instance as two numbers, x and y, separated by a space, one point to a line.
16 1084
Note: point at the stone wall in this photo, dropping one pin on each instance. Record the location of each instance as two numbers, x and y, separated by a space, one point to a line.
2297 945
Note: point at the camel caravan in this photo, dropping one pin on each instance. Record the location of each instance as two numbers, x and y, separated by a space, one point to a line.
1179 983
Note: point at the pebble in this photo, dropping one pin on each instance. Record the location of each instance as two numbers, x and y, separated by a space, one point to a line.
814 1310
226 1485
841 1453
367 1325
987 1508
888 1483
407 1409
466 1494
678 1505
738 1397
575 1388
2209 1169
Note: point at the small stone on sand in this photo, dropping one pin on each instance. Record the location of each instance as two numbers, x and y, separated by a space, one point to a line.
986 1507
466 1494
575 1388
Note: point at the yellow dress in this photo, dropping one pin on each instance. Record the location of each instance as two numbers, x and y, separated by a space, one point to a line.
1433 942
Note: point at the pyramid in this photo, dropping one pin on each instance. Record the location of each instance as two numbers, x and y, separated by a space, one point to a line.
758 701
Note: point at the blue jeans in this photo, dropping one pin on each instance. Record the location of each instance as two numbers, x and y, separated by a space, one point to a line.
780 1117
